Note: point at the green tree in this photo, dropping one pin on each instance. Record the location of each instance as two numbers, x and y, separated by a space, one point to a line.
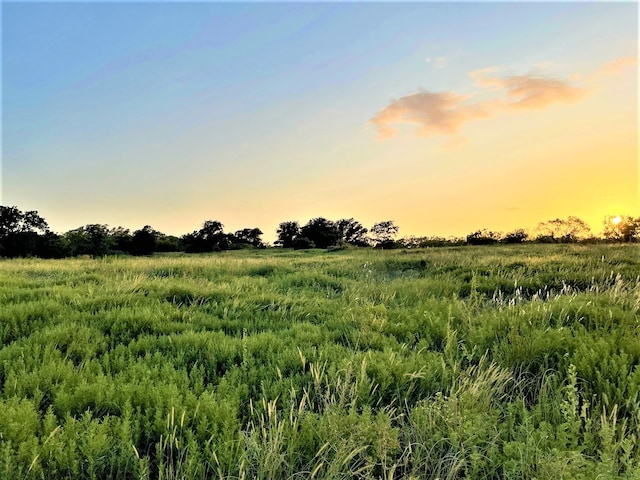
517 236
287 233
248 236
621 228
20 232
352 232
209 238
383 233
321 232
567 230
13 221
120 239
51 245
93 239
168 243
144 241
483 237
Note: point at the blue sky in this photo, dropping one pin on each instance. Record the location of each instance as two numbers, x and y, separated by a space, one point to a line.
255 113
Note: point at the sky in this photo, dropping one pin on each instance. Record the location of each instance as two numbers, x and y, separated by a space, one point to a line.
444 117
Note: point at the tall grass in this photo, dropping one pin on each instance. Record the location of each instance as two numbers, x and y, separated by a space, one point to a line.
484 362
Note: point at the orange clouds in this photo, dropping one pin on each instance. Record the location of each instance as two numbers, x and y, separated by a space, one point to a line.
617 66
444 113
529 91
434 113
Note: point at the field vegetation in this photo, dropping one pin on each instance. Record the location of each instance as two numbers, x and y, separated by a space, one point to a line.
486 362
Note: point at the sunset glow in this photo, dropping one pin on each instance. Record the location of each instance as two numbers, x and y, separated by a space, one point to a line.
445 117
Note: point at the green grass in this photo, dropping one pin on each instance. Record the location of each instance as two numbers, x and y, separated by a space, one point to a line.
474 362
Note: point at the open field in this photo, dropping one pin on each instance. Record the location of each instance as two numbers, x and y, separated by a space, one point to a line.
474 362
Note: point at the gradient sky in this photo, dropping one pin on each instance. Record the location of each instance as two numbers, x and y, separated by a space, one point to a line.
445 117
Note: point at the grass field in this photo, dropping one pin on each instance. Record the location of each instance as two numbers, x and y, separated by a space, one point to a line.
473 362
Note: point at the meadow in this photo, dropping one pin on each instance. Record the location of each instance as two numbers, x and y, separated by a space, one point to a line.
493 362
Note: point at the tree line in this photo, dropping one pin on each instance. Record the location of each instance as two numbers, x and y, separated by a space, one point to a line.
24 234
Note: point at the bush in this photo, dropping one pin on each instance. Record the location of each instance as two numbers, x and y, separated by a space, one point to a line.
483 237
517 236
302 243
